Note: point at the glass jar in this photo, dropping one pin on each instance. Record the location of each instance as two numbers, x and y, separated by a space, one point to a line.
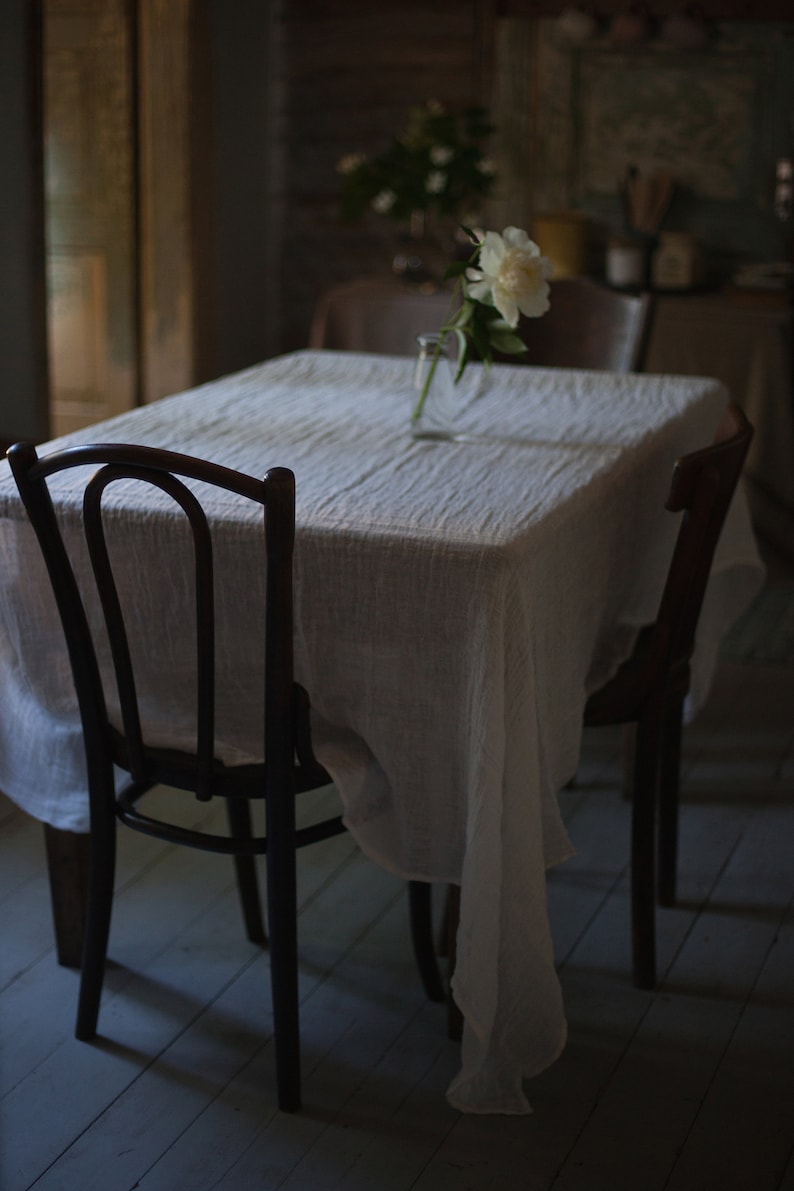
676 263
434 399
627 262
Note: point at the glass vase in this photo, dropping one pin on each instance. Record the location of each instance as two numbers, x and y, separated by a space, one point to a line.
420 257
434 398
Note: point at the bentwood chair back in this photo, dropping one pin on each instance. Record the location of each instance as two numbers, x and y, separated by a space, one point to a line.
588 325
649 689
290 768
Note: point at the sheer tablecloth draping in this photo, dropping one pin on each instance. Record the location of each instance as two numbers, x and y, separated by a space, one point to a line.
454 603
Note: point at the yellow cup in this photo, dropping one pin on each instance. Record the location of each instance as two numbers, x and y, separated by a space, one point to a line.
562 237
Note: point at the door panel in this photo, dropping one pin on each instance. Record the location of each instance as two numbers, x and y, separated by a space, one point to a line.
90 196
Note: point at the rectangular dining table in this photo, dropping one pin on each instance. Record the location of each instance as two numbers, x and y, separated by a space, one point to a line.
455 602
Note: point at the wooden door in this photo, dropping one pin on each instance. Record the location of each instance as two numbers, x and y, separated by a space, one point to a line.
90 188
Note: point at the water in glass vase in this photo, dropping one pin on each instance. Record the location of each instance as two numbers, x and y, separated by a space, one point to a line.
434 397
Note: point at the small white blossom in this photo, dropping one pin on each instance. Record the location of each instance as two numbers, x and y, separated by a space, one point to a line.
512 273
435 181
383 202
486 166
441 155
349 163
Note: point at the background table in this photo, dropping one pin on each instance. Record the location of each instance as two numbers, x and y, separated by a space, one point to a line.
454 603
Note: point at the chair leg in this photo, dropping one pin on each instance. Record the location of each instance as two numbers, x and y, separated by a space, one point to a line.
629 758
643 892
68 863
238 811
420 902
282 908
102 868
669 782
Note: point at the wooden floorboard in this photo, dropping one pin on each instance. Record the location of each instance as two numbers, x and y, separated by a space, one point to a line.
689 1088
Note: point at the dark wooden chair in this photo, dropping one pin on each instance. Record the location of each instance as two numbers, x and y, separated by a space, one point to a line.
588 325
291 767
649 689
648 692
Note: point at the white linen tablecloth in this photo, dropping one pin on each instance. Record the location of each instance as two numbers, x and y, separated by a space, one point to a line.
455 601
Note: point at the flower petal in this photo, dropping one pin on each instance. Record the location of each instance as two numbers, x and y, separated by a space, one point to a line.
492 253
535 304
505 303
478 290
516 237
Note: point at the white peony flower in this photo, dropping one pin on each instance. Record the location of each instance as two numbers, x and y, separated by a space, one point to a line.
383 202
512 273
349 163
435 181
441 155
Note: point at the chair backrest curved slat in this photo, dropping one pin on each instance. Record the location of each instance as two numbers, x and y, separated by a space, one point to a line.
167 472
93 525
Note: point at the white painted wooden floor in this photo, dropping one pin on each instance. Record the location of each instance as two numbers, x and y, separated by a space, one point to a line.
691 1087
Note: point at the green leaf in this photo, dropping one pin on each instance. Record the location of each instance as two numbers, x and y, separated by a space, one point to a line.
463 354
464 316
508 343
456 269
463 346
475 239
481 340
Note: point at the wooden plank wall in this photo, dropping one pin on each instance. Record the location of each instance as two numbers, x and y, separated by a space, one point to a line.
351 72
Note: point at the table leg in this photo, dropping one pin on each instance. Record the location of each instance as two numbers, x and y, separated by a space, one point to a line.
67 865
448 947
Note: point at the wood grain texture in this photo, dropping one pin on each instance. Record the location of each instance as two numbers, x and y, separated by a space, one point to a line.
685 1088
166 205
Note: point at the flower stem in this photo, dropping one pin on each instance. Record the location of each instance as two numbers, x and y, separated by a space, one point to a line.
417 413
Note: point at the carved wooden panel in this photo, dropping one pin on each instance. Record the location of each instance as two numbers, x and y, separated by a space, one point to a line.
77 290
167 199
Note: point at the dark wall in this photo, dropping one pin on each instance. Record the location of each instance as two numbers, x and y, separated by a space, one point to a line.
232 108
352 69
23 356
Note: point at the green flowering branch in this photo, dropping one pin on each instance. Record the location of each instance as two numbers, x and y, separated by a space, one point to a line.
437 164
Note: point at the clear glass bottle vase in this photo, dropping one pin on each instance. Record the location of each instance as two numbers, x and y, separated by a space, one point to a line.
434 398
